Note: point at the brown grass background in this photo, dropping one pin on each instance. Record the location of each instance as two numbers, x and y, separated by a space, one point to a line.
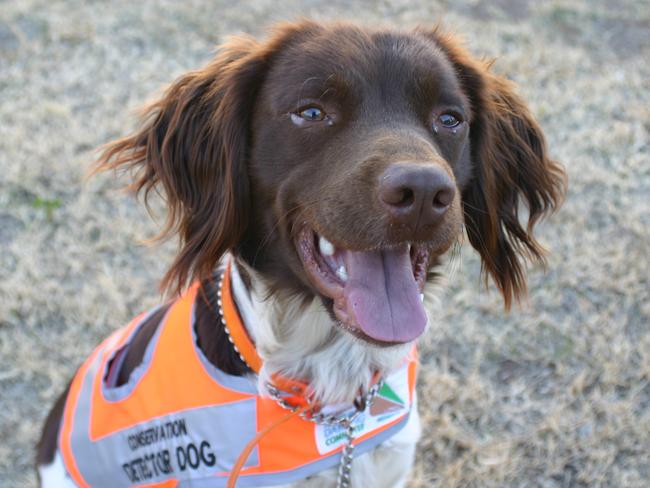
555 394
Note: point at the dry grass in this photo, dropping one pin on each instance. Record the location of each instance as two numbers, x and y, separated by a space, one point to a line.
554 395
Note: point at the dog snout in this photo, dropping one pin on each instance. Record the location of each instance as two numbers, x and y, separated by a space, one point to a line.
416 195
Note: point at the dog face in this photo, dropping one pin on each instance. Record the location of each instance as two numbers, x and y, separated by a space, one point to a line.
342 162
358 157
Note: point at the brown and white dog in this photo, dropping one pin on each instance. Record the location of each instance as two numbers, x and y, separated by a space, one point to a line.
337 164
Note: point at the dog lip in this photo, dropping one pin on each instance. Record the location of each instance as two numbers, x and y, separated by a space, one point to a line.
318 254
320 272
326 271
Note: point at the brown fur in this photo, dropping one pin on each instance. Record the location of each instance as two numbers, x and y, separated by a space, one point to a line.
512 165
196 145
238 176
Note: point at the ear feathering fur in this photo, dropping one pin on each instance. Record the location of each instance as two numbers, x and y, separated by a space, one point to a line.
193 145
512 165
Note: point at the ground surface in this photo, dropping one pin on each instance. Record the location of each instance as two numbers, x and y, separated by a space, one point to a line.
554 395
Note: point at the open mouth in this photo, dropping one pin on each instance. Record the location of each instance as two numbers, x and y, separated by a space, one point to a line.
376 294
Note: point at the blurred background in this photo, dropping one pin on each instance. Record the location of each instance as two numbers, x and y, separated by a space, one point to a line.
554 394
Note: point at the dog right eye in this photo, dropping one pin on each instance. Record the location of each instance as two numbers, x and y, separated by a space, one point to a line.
312 114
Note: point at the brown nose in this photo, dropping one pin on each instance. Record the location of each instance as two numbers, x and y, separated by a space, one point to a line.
416 195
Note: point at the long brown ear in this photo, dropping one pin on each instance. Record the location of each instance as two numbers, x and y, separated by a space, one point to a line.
193 145
511 165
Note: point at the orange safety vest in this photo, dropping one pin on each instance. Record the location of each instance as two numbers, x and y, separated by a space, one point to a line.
179 421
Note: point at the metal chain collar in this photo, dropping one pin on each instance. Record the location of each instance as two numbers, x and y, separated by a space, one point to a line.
341 419
222 317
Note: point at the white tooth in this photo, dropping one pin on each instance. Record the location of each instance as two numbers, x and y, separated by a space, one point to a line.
421 297
325 246
342 273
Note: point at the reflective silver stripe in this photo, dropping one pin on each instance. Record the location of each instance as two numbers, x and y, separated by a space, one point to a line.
197 447
117 393
242 384
187 445
299 473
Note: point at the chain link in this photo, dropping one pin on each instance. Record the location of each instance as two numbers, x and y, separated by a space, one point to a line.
342 420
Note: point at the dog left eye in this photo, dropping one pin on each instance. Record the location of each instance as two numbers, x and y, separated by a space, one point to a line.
449 120
312 114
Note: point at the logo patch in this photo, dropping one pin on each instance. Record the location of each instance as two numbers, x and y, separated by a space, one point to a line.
391 403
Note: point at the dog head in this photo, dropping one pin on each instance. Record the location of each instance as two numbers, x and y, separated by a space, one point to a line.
341 162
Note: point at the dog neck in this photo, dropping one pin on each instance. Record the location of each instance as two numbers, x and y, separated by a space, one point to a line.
298 339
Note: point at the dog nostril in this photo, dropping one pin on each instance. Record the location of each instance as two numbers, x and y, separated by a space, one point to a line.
443 198
407 198
416 195
398 196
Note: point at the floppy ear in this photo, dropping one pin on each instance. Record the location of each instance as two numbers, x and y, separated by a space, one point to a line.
511 165
193 146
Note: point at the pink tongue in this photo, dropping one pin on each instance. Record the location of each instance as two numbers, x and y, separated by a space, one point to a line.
383 296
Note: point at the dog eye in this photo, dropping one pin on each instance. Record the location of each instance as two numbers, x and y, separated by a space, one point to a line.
449 120
312 114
